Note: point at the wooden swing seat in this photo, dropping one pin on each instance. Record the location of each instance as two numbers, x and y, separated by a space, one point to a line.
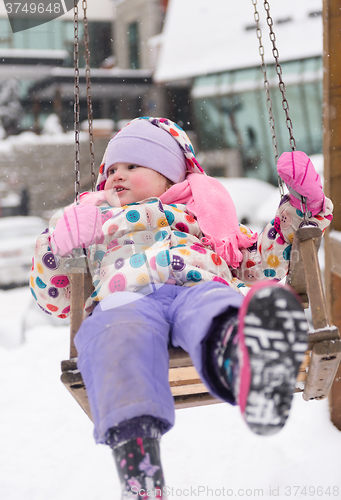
187 388
317 370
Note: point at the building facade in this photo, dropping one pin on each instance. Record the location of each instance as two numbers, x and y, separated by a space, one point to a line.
216 45
123 42
231 112
137 21
138 36
30 54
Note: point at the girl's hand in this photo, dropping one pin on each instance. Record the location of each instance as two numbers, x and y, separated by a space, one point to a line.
80 226
299 174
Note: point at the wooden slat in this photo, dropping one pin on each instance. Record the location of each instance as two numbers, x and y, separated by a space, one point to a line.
183 376
335 392
74 383
302 373
324 363
178 357
82 287
332 161
296 277
183 390
308 249
328 333
191 401
76 312
335 253
69 365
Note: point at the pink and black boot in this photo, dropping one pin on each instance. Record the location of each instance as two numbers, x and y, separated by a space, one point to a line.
272 335
259 354
136 449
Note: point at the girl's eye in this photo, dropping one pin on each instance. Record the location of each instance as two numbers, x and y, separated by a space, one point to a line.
112 171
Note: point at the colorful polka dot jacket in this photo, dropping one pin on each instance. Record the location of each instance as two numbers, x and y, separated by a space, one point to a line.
149 243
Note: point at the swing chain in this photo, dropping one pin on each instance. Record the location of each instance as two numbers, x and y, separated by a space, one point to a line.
285 103
268 96
76 103
278 67
88 95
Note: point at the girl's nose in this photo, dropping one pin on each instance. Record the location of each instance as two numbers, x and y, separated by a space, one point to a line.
119 174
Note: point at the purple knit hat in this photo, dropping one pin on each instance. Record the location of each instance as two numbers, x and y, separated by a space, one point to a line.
156 143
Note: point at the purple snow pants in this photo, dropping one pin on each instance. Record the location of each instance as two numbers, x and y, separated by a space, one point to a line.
123 349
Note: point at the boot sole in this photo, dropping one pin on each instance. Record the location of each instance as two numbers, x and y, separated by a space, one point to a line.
273 335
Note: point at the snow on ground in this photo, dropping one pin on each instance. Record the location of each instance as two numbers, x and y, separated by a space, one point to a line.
48 453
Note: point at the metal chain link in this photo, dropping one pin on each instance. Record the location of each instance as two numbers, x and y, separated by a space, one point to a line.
267 90
88 95
282 88
76 103
285 103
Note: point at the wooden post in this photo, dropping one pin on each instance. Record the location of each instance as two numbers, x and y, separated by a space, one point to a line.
77 304
332 167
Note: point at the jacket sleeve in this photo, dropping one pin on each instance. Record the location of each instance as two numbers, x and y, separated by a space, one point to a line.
48 279
269 257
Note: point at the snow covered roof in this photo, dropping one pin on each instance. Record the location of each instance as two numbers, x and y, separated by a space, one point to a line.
30 64
202 36
109 83
44 54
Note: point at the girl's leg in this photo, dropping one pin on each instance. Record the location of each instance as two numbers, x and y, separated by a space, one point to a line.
250 356
195 316
123 358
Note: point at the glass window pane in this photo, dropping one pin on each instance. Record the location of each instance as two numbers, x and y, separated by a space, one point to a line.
133 42
240 119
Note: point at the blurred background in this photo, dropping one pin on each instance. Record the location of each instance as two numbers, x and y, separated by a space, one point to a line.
199 66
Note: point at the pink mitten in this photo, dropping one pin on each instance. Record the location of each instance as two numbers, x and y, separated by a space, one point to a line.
299 174
80 226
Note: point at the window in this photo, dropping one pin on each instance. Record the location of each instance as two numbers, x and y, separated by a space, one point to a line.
58 35
133 42
100 42
231 112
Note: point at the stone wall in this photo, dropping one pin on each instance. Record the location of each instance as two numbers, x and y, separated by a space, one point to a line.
47 170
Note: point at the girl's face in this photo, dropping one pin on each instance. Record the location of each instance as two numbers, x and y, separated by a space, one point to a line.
129 183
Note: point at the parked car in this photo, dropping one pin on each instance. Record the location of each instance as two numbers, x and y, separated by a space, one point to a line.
18 237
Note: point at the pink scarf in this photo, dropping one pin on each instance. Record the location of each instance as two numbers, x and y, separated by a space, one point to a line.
215 212
213 208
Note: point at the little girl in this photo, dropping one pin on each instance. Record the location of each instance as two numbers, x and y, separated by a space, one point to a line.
171 265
